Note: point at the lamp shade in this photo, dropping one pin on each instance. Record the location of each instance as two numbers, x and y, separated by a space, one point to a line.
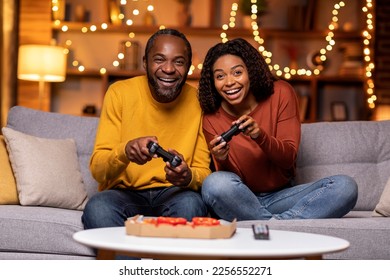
42 63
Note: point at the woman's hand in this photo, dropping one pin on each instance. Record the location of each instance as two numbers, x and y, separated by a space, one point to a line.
219 148
249 126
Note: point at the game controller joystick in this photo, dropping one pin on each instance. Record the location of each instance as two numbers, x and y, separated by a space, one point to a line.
155 148
228 135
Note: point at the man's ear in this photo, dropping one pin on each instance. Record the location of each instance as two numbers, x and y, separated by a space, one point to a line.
144 62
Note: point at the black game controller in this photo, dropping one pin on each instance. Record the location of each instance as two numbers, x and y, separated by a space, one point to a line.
155 148
228 135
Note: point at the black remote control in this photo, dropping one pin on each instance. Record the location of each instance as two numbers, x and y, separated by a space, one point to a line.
260 231
155 148
228 135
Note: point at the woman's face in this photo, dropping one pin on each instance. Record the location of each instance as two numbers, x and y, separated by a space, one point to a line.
231 79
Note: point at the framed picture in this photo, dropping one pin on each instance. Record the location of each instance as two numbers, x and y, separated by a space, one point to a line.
339 111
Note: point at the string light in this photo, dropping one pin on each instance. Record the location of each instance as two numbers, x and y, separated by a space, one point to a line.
368 54
285 72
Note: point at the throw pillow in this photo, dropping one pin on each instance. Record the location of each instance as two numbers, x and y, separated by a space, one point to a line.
8 192
383 207
47 171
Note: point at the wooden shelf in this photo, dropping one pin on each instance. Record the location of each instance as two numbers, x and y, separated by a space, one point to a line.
314 83
209 31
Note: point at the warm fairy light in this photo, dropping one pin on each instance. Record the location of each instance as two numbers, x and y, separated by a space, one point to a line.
368 54
285 72
54 5
103 71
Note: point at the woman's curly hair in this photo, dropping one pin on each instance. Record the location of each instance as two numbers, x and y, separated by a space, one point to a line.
260 76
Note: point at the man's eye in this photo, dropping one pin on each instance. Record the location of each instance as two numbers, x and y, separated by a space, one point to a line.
158 60
179 62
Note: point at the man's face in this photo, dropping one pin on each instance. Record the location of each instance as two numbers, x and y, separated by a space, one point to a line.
167 66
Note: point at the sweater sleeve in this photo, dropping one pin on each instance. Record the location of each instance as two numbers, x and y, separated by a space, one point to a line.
282 149
200 165
108 159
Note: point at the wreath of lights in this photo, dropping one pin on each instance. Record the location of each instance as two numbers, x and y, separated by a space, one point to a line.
285 72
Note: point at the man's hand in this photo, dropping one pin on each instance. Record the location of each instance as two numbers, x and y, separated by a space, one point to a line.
137 151
180 175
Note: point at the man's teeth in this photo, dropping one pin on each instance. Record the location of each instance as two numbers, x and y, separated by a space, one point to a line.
167 80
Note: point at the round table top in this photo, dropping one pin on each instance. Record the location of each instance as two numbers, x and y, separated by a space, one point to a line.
242 245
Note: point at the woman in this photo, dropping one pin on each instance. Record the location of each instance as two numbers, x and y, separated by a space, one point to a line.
255 169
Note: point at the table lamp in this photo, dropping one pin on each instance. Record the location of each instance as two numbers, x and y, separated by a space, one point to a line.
42 63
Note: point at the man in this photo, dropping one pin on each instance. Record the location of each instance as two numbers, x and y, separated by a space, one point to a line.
159 107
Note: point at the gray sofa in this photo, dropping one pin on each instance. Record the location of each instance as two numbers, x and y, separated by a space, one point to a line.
359 149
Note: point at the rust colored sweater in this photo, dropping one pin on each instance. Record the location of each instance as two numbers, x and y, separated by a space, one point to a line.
267 163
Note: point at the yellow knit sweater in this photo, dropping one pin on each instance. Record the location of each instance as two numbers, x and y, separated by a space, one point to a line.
129 111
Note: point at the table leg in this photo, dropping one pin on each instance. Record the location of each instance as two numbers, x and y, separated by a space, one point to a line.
105 255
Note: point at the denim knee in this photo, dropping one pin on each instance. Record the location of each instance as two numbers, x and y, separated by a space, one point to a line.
350 189
212 185
100 212
218 185
191 205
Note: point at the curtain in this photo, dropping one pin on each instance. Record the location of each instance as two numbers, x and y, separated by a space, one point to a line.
8 56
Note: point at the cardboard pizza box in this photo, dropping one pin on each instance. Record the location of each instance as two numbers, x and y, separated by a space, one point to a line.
135 226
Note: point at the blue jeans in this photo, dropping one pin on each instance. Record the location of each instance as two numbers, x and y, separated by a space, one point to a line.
228 197
110 208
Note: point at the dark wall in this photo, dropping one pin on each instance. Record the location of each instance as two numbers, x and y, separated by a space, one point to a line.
382 51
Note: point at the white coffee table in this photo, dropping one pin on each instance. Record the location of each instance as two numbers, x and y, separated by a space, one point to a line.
281 245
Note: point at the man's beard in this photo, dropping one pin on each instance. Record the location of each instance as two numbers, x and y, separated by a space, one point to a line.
164 95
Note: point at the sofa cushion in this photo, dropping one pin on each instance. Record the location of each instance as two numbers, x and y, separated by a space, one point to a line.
368 236
47 171
8 192
60 126
360 149
44 231
383 207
